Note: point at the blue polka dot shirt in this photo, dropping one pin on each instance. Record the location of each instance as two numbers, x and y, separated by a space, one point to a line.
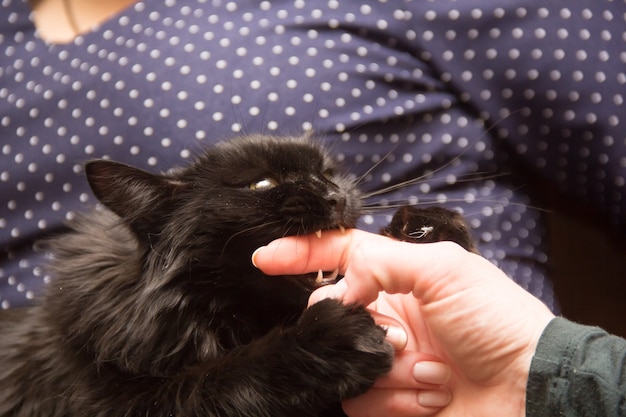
469 97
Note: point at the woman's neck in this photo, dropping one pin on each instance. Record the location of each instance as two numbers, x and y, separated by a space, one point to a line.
60 21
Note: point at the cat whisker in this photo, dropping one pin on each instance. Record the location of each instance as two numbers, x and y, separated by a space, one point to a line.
247 230
424 177
373 208
422 180
299 230
373 167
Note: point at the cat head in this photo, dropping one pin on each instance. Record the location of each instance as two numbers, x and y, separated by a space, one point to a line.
236 196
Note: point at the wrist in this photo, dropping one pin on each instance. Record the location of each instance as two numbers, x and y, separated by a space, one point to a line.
522 368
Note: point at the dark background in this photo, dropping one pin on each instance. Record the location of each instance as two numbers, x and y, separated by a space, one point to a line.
588 268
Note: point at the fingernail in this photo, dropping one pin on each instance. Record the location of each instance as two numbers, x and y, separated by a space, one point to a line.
434 398
396 336
431 372
254 254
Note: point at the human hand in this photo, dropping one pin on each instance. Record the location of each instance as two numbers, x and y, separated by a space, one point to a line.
462 309
416 384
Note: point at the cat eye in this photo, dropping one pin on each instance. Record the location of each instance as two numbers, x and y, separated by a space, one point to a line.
263 184
328 174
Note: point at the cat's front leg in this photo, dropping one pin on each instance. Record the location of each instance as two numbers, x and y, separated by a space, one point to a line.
345 344
333 353
430 224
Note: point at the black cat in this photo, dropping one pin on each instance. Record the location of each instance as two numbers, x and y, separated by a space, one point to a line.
156 309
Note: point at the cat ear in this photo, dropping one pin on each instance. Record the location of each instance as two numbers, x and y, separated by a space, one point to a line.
137 196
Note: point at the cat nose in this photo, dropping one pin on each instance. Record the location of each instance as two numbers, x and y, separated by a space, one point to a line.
337 201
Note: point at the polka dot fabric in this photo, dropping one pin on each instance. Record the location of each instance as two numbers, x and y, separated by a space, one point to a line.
410 87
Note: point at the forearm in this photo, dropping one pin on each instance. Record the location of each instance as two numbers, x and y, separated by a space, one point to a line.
577 371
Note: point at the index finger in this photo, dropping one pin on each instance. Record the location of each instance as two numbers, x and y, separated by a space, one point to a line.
370 263
304 254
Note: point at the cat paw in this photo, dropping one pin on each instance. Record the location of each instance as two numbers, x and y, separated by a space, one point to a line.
430 224
350 349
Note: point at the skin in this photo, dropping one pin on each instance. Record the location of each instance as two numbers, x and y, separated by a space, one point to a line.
452 304
55 26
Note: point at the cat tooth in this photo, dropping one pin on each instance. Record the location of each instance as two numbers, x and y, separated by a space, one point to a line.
342 230
320 277
318 233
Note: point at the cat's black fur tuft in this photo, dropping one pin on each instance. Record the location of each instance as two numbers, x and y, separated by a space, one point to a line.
156 309
430 224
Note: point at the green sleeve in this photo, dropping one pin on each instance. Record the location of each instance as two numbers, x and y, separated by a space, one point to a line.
577 371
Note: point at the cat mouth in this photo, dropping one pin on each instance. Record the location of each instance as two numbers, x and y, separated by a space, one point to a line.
341 229
323 278
315 280
326 277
